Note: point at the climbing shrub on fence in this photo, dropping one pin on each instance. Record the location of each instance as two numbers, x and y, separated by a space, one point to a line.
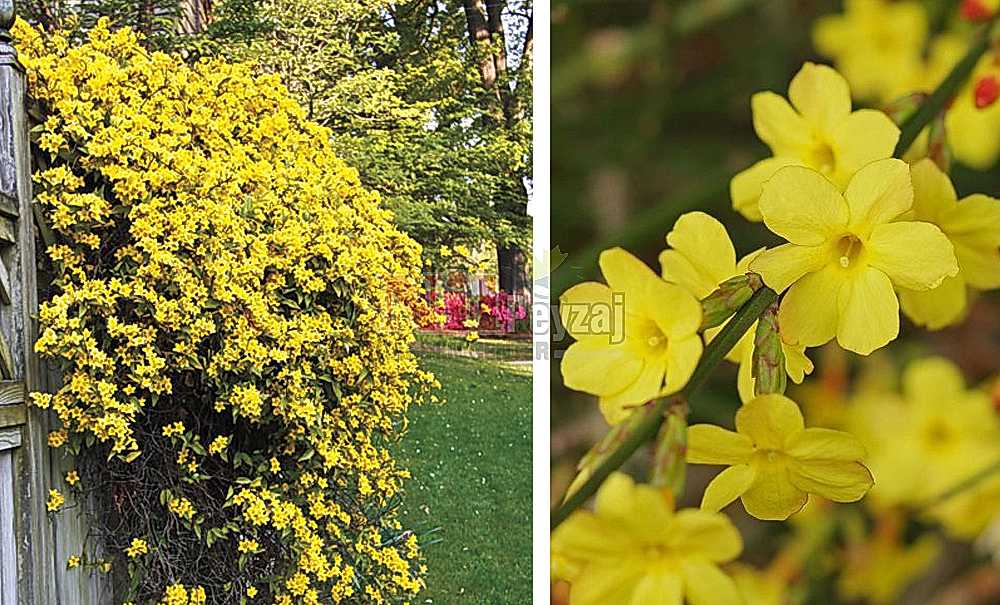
229 310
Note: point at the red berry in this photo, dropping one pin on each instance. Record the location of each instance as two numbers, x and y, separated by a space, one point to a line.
987 91
975 10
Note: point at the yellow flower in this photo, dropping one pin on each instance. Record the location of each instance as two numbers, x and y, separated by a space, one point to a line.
248 546
973 227
759 587
57 438
973 132
218 445
72 562
472 336
817 130
56 500
846 253
635 549
251 592
941 433
137 548
876 44
176 428
701 256
775 462
636 338
72 478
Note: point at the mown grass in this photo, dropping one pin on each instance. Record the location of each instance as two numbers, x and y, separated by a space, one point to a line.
471 464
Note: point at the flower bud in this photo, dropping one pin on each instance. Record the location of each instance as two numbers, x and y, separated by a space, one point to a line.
671 449
975 11
986 91
768 361
727 299
938 149
603 448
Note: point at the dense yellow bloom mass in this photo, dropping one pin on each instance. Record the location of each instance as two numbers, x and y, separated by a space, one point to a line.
636 338
635 549
701 256
775 462
846 253
972 224
817 130
221 277
876 44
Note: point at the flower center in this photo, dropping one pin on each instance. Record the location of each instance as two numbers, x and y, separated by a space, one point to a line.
848 250
823 158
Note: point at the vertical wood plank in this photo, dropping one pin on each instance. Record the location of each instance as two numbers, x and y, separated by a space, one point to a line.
8 545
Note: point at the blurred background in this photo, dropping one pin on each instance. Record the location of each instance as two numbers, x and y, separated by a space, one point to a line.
650 119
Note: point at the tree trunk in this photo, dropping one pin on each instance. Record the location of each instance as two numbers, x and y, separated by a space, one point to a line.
511 263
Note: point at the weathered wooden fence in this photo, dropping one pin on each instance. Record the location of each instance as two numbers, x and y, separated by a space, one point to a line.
34 545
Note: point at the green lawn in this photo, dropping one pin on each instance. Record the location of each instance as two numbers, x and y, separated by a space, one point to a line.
471 465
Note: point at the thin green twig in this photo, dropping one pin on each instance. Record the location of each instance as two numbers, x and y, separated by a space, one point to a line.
943 94
963 485
714 353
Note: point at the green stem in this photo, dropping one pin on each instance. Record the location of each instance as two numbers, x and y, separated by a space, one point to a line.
714 353
936 102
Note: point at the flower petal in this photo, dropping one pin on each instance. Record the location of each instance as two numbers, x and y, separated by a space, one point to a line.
769 421
704 243
878 193
808 313
802 206
869 312
745 188
599 369
648 385
821 95
711 444
914 255
627 274
610 582
683 355
586 537
727 486
772 497
676 311
937 308
825 444
662 587
706 584
589 311
745 382
782 266
704 535
932 379
778 124
834 480
622 502
797 364
933 193
859 139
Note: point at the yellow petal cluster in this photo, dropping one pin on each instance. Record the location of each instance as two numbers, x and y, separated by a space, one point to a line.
636 337
634 548
846 254
774 462
701 256
817 130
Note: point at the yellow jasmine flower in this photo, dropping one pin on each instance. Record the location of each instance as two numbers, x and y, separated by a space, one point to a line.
636 338
817 130
57 438
845 254
973 227
137 548
942 433
701 256
176 428
759 587
633 548
73 562
55 501
974 132
775 462
218 445
472 336
251 592
876 44
72 478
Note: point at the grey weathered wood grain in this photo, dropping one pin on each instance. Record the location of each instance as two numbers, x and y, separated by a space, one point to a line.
13 415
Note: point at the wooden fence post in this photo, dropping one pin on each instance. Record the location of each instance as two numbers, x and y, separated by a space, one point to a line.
34 545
